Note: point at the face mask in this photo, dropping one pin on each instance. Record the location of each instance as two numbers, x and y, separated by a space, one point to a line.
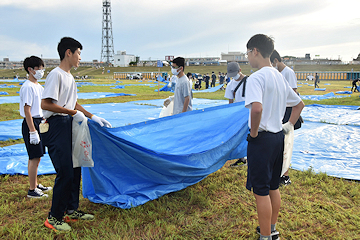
236 77
38 74
174 71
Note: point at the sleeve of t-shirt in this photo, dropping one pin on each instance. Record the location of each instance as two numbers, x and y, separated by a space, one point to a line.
52 87
27 95
229 94
253 91
291 77
185 89
292 98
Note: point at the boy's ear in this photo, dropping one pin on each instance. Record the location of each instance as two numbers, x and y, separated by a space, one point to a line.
68 52
30 70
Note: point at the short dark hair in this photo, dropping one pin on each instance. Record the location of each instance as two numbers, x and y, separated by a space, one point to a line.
263 43
180 62
33 62
68 43
189 74
274 55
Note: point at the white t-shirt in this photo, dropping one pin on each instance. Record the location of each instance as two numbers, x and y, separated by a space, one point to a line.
30 94
61 87
230 88
290 76
268 87
182 90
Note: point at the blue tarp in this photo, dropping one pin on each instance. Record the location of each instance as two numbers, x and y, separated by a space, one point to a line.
147 160
168 154
343 92
319 89
82 95
214 89
165 88
119 114
8 86
321 97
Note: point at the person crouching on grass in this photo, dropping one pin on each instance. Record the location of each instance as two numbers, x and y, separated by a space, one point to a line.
30 101
267 95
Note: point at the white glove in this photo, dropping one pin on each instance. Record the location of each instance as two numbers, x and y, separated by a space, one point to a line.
34 137
79 116
287 127
101 121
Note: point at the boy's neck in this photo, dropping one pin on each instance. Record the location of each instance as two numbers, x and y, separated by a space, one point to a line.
281 66
180 74
65 65
263 62
32 79
241 76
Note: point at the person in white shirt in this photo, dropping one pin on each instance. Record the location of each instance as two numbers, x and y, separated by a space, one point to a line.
267 96
290 77
30 100
60 108
236 90
182 96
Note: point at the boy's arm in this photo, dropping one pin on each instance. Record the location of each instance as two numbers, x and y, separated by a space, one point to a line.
34 135
101 121
47 104
186 103
256 111
80 108
295 113
29 119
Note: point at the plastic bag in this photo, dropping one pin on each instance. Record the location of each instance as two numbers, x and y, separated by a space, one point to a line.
288 149
81 145
167 111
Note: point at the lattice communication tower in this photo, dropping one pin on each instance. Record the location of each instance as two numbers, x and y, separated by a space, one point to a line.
107 46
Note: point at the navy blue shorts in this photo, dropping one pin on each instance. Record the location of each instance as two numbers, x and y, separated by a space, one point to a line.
265 155
34 151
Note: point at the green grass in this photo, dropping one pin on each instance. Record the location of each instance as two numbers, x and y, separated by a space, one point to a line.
314 206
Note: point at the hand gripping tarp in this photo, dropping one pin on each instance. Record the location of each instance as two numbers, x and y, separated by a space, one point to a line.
141 162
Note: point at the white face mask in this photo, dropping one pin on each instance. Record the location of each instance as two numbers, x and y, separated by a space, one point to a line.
38 74
236 77
174 71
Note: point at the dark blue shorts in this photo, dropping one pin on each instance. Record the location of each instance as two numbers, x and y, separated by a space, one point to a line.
265 159
34 151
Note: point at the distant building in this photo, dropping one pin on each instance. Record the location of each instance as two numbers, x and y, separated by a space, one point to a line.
234 57
202 61
121 59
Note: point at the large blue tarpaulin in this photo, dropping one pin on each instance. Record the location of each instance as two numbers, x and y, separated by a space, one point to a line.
139 162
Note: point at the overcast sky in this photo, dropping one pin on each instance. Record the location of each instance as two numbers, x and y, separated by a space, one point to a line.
189 28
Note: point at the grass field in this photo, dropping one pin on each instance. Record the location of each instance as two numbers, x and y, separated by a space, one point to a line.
314 206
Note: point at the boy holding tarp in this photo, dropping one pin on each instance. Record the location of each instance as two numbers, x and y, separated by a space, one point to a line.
60 107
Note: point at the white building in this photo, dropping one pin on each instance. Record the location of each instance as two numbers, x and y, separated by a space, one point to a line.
234 57
121 59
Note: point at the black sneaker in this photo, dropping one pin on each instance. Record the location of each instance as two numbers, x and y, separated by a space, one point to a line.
285 180
42 188
274 234
239 163
36 193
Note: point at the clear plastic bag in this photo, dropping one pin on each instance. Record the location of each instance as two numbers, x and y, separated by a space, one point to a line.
288 149
81 145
